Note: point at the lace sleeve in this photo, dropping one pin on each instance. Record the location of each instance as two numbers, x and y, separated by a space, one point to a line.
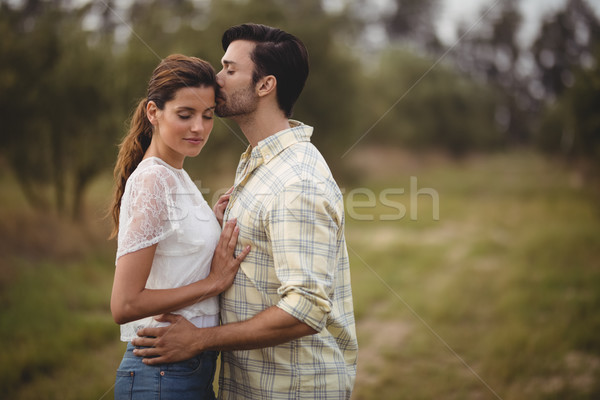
145 210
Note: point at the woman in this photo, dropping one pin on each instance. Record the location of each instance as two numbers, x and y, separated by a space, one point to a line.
172 255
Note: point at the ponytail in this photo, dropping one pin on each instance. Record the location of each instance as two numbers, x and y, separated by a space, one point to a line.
131 153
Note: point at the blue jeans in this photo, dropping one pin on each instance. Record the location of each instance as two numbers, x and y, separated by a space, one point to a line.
189 379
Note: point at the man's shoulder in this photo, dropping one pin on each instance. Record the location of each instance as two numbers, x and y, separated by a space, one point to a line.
298 162
303 165
302 154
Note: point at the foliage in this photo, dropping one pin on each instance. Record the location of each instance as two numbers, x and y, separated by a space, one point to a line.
70 74
566 42
68 87
546 89
430 108
413 20
57 103
570 124
492 54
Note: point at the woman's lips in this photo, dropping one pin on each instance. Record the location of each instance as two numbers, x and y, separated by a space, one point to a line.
194 140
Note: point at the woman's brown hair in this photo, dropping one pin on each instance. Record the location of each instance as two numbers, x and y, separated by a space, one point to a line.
173 73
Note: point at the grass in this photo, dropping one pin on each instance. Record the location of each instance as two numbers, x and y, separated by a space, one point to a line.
498 298
55 315
55 323
498 295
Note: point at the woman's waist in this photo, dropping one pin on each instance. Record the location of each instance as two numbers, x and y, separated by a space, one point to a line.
130 329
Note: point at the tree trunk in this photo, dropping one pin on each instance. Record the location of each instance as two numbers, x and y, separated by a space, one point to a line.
82 180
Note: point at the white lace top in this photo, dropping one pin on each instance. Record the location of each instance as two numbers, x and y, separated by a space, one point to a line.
162 205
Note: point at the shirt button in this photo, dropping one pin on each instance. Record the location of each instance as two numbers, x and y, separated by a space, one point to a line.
162 373
268 157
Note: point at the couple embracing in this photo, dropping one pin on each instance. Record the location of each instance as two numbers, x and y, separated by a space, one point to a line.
262 277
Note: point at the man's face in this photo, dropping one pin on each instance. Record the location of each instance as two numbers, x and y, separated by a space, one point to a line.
237 95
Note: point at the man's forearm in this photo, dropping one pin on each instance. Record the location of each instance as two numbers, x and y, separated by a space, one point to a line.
182 340
271 327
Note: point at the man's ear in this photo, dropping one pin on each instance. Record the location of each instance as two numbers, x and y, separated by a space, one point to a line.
151 112
266 85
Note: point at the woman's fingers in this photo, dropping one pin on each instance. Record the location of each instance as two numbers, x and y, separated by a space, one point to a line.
228 230
242 255
233 238
228 242
226 234
220 206
224 199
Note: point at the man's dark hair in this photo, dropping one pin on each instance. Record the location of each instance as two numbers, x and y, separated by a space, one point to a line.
277 53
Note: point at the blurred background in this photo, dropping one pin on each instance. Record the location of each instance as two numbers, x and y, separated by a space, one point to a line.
464 134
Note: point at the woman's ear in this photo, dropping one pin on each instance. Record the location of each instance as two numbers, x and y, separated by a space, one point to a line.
266 85
151 112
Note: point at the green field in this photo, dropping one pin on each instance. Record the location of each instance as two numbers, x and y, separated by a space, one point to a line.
495 298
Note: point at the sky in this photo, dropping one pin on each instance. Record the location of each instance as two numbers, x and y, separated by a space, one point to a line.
533 11
452 12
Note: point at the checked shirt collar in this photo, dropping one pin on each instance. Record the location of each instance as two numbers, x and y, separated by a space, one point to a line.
267 149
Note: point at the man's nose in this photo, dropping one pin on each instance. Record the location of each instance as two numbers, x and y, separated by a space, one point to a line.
219 77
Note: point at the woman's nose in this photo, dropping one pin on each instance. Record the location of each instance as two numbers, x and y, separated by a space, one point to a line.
198 125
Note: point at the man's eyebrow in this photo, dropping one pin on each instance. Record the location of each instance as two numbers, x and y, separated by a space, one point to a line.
228 62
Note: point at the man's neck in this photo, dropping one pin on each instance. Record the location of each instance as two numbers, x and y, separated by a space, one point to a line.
260 125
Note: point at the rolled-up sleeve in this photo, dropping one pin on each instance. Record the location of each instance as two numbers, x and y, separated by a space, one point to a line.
303 227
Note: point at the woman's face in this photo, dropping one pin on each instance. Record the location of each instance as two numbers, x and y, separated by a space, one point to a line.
182 128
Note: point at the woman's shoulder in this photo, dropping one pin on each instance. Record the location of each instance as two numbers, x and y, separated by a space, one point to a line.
152 174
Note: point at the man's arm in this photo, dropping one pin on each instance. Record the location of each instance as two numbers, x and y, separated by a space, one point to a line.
182 340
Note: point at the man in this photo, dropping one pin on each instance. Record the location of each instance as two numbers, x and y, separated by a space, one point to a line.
288 322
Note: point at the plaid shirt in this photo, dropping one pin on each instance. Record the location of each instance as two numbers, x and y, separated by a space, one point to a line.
290 210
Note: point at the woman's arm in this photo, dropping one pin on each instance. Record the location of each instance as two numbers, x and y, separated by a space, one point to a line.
130 300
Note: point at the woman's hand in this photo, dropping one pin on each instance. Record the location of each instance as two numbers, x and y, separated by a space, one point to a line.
224 263
221 205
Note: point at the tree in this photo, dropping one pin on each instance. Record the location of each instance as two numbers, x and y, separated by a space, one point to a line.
57 103
492 54
571 125
413 21
423 108
567 53
567 40
66 88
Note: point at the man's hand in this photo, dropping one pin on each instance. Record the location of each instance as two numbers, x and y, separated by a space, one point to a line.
167 344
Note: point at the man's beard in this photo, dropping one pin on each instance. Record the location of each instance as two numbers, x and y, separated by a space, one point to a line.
240 102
